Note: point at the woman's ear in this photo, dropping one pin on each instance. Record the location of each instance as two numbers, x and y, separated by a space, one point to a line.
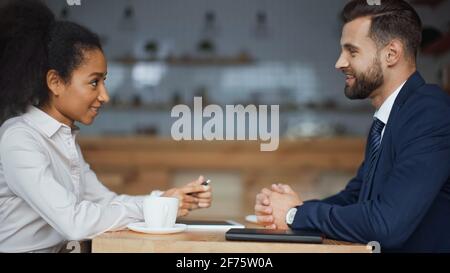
54 82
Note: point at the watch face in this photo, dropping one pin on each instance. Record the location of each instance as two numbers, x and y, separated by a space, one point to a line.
291 218
291 215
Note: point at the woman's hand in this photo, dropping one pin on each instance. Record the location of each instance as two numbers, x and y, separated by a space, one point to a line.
191 196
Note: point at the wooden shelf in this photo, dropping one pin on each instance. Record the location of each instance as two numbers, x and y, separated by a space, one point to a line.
209 61
187 60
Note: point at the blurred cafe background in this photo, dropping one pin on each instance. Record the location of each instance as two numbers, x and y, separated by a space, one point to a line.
162 53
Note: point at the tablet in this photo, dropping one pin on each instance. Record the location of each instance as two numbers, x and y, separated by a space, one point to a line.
273 235
211 224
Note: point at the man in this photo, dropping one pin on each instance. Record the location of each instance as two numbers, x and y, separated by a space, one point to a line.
400 196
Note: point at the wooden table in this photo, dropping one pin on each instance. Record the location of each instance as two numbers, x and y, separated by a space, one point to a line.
209 242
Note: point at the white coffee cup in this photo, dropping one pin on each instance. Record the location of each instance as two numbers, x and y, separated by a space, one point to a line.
160 212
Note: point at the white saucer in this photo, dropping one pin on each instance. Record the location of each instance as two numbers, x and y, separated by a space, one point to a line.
142 227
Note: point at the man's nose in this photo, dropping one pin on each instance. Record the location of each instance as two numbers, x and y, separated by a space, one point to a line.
341 62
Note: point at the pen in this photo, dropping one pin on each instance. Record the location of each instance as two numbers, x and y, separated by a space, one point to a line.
206 183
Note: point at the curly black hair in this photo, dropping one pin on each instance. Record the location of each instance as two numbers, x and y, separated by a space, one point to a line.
32 42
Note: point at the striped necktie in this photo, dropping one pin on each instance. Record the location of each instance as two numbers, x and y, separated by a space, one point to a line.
373 142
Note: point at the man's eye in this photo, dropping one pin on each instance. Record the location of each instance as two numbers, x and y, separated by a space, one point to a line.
94 83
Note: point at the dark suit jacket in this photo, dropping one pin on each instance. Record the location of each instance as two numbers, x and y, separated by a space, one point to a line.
405 205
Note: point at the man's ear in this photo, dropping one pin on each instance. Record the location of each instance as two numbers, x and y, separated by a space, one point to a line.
54 82
394 52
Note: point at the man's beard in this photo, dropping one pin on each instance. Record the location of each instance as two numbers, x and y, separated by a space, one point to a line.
365 83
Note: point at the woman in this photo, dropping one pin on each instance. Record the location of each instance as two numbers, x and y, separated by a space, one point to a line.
52 74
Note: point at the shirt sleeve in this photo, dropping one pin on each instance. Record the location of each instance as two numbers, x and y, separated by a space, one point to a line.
29 175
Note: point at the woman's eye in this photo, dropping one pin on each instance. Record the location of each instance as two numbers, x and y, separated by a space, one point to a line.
94 83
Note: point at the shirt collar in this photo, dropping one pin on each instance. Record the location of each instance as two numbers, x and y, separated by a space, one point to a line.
45 122
385 110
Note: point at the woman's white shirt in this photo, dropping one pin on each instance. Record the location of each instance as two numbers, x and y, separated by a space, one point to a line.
48 193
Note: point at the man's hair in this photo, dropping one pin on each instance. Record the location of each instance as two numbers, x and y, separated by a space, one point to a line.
392 19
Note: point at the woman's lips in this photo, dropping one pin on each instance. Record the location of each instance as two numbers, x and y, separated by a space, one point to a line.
95 110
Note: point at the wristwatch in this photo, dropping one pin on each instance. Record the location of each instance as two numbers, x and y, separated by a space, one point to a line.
290 215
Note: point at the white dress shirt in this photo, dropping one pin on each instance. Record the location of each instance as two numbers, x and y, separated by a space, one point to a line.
48 193
385 109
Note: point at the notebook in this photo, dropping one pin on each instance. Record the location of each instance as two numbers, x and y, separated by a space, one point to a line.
273 235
